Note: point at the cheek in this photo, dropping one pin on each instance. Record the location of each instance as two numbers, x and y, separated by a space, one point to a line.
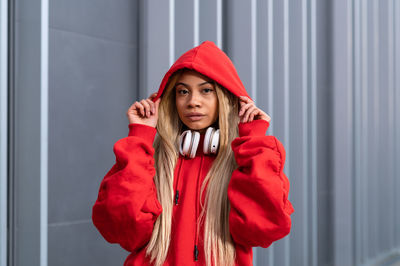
179 108
215 107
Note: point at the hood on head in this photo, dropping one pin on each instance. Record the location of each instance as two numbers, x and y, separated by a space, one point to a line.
210 61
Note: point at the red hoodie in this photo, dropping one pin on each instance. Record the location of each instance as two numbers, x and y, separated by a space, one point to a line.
127 204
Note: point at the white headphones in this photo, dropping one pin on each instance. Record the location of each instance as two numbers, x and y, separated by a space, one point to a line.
189 140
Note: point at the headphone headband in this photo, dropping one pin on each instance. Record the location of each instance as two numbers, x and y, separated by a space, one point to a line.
189 142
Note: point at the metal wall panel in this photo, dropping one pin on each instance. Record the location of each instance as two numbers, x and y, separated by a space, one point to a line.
26 133
93 79
366 220
211 21
327 72
396 86
157 47
3 130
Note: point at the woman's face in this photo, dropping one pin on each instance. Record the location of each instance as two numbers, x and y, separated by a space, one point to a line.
196 100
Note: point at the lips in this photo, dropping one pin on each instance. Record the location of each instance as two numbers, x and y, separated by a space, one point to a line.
195 116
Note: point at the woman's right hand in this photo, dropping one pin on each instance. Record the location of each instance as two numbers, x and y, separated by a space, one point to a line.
144 112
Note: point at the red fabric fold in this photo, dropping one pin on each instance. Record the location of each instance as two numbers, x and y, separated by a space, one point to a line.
127 205
258 189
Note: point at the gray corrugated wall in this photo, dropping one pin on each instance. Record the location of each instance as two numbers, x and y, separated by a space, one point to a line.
365 94
327 72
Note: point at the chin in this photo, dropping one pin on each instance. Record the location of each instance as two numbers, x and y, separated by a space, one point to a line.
196 126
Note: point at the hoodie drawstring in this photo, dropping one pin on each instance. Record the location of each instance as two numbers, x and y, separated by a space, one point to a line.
177 183
196 251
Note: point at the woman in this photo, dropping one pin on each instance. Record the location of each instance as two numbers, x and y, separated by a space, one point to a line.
209 186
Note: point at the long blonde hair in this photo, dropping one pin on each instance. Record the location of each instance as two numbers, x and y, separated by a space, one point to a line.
218 244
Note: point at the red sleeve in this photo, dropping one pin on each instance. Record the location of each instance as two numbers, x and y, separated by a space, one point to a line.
258 189
127 204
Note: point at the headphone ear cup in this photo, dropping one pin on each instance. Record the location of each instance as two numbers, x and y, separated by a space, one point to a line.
184 142
215 142
188 143
195 143
211 141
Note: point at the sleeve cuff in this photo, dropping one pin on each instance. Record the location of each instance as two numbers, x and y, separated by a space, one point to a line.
254 128
145 132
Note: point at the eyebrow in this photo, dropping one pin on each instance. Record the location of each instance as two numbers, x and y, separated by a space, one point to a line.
186 85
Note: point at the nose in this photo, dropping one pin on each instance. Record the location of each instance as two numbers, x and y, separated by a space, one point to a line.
194 100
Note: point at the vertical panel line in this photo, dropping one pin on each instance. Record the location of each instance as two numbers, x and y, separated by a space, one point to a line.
270 62
286 107
314 133
253 89
270 250
171 32
219 23
3 129
392 208
141 47
44 47
196 30
253 49
305 65
397 97
350 126
357 131
375 172
365 133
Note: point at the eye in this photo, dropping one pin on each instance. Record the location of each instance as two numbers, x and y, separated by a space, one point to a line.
182 91
208 90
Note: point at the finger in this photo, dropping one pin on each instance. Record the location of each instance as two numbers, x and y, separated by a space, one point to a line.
151 103
153 95
257 114
252 115
263 115
157 104
248 112
139 106
242 100
244 108
131 108
268 118
245 99
146 107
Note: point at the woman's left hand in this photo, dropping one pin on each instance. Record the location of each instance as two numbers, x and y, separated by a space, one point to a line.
249 111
